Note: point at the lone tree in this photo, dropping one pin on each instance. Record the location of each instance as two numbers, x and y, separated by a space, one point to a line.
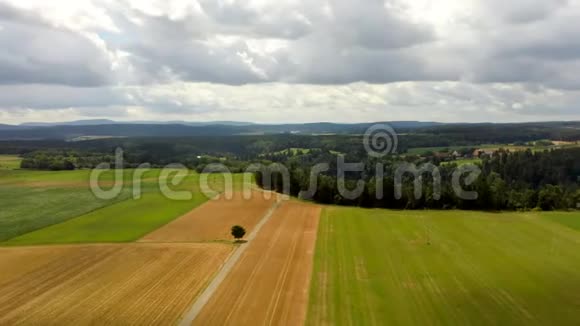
238 232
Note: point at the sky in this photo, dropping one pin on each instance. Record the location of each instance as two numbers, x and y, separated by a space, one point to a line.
290 60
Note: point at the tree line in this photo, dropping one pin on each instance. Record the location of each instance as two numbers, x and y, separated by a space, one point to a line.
507 181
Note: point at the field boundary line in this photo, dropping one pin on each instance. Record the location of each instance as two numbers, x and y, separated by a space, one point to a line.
206 295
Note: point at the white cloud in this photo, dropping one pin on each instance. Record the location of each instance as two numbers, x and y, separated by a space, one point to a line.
290 60
278 102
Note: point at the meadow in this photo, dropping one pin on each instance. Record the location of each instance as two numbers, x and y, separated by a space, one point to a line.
31 200
463 161
370 267
40 207
510 147
26 209
377 267
105 274
9 162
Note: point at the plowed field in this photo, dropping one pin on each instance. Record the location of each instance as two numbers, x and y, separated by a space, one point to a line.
269 284
213 220
130 284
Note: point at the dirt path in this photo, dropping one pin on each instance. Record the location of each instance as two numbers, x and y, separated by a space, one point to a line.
269 284
206 295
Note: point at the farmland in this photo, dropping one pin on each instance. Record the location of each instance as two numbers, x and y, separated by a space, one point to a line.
9 162
422 268
72 272
213 220
269 285
74 259
534 147
463 161
56 197
66 211
121 222
249 162
144 284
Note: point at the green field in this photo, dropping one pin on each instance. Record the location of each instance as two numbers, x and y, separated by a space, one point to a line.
25 209
380 267
292 151
463 161
567 219
126 221
9 162
510 147
69 178
59 207
424 150
31 200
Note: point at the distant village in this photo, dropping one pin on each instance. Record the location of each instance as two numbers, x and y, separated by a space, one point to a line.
469 153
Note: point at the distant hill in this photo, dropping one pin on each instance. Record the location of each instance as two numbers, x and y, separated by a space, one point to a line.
106 128
69 123
96 128
96 122
7 127
211 123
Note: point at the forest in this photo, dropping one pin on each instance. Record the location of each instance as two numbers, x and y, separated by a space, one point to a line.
522 169
508 181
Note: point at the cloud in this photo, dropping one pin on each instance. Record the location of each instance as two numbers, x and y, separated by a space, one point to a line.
451 60
299 41
34 51
522 11
336 42
48 96
280 102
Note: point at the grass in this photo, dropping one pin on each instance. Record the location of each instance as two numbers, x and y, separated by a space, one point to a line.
26 209
463 161
9 162
424 150
58 207
567 219
293 151
32 200
122 222
81 177
380 267
511 147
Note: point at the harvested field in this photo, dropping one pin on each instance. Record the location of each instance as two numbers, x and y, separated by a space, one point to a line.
269 284
213 220
130 284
